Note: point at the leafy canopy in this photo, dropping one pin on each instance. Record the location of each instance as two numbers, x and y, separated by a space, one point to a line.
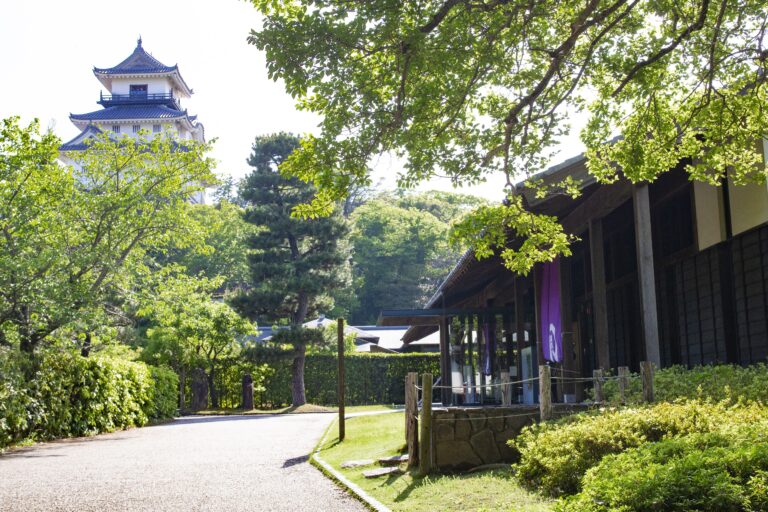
471 88
73 238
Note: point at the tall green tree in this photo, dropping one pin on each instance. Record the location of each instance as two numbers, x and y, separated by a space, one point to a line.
189 329
73 238
469 89
297 265
401 249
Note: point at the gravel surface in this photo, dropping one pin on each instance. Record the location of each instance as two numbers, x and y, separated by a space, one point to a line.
194 463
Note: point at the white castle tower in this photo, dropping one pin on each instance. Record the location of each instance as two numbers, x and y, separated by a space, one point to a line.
144 95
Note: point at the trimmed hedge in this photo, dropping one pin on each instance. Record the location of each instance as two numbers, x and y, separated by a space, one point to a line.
716 471
74 396
714 382
370 378
554 456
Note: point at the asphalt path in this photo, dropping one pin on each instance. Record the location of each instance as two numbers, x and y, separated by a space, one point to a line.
194 463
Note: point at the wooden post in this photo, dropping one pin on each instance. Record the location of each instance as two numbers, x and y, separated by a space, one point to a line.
597 375
545 392
506 390
560 385
425 440
645 273
247 398
411 418
623 383
599 297
445 362
646 374
340 333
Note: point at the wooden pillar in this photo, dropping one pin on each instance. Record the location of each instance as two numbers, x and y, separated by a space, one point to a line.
445 362
567 335
411 418
599 298
340 340
536 308
425 441
645 273
470 335
506 389
519 326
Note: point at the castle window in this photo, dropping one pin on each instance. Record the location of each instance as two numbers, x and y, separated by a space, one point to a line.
138 90
136 128
116 128
156 128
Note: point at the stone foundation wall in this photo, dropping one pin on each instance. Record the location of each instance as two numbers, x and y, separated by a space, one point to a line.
464 438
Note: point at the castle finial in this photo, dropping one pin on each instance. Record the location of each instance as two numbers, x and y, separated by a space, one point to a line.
138 42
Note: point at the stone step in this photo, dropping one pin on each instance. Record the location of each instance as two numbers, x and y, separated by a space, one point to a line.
356 463
376 473
395 460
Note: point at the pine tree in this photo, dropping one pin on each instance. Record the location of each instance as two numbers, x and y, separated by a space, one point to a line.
297 265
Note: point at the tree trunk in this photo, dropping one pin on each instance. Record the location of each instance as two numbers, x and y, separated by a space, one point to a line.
199 390
212 388
86 350
297 376
182 386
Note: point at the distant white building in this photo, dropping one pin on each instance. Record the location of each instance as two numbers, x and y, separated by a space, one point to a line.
144 95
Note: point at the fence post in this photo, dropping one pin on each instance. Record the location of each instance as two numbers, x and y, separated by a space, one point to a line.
340 334
623 383
545 392
425 440
247 401
506 391
646 374
597 376
411 418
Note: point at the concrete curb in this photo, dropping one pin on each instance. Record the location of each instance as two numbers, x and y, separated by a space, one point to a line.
368 500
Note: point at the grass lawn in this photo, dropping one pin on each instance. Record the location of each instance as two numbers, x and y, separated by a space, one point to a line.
371 437
306 408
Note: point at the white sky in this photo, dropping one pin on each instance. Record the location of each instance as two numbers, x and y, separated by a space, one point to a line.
49 48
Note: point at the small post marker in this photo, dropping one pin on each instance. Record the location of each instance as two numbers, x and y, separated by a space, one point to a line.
623 383
545 392
646 374
411 418
340 332
597 376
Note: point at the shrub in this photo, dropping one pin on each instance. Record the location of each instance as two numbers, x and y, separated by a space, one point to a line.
370 378
554 456
72 395
717 382
165 393
716 471
14 399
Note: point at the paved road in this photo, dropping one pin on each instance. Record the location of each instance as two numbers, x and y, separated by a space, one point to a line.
196 463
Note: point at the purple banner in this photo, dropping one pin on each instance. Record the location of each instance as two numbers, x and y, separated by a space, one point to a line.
549 312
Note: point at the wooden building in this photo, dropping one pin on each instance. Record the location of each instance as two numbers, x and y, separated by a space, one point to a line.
675 272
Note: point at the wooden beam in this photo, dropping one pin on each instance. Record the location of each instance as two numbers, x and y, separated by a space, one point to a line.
602 202
645 273
599 299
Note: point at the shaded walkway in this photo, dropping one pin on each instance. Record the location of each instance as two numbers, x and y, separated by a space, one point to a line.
192 463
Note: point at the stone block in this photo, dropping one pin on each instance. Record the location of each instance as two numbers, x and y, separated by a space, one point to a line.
496 421
462 429
356 463
456 455
477 419
394 460
444 431
375 473
507 453
484 444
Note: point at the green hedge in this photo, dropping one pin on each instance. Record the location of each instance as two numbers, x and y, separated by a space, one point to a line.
73 396
554 456
370 378
714 382
716 471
